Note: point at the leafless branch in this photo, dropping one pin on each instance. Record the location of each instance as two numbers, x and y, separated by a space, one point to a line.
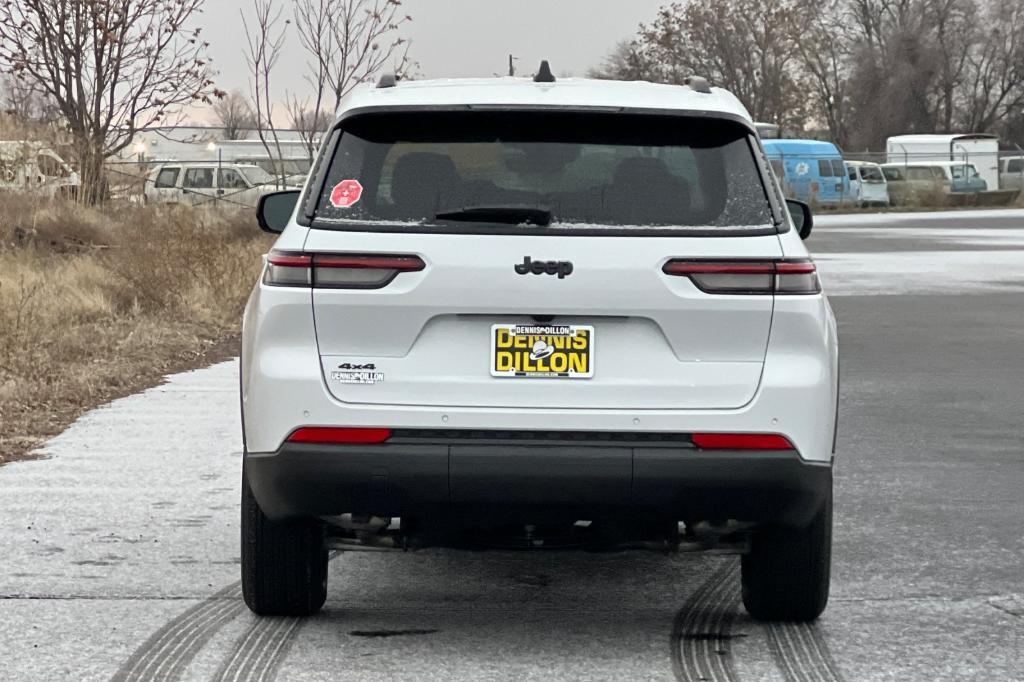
110 68
264 36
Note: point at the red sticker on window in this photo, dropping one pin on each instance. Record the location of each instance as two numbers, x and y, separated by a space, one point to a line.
346 193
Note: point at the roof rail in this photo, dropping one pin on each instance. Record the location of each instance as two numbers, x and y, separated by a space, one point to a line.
387 80
698 84
544 74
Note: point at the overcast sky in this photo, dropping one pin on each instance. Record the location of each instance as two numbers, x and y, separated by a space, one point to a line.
453 38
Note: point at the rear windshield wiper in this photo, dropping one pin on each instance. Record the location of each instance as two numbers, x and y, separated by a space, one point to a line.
514 215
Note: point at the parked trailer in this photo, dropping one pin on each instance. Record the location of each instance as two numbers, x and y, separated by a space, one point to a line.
979 149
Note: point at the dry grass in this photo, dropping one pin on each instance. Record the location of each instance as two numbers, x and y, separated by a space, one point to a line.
921 204
96 304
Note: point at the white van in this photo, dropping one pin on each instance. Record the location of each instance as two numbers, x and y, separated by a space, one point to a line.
1011 172
867 183
208 184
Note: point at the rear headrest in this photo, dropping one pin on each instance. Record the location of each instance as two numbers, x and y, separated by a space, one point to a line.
645 192
420 180
640 171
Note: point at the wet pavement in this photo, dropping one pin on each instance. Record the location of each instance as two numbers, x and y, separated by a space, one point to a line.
120 558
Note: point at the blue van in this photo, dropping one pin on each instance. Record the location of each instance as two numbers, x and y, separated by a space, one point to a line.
810 170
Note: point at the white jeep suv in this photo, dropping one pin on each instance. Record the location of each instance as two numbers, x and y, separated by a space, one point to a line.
539 314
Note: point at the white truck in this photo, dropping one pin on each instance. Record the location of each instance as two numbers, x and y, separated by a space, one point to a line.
980 150
27 166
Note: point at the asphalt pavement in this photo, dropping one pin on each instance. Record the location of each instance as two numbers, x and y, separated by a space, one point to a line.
119 550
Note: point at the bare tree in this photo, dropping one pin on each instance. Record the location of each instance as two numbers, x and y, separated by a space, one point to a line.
623 63
863 69
348 42
993 89
314 20
234 115
110 68
746 46
823 53
264 38
895 62
954 23
309 123
26 104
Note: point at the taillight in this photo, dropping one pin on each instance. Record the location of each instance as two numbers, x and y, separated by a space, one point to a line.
288 269
748 277
741 441
337 271
330 435
796 277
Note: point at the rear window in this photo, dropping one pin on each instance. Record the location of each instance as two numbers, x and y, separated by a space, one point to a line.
569 171
256 175
924 173
831 168
198 178
871 174
168 177
961 172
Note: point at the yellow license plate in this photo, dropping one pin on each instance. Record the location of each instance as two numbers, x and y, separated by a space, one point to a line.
542 350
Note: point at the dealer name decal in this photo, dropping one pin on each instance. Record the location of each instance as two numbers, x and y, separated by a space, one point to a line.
542 351
349 373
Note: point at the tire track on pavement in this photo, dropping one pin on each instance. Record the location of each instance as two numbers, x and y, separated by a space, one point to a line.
260 650
169 650
701 633
801 654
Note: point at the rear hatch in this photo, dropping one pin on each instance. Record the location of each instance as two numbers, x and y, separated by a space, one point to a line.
518 260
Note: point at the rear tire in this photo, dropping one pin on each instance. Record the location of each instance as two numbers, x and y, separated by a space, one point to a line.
786 575
284 564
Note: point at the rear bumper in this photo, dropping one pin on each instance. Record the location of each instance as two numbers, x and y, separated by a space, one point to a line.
541 482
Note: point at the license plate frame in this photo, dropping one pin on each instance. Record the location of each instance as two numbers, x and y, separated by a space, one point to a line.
515 353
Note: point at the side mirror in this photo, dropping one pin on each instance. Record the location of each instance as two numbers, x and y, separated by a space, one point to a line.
801 216
275 210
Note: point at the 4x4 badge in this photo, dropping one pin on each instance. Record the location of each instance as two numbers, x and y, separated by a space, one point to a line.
562 268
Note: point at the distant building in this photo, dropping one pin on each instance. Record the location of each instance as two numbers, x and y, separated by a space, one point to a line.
205 143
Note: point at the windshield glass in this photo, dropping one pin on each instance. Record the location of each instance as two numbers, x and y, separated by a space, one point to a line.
256 175
963 171
871 174
584 170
